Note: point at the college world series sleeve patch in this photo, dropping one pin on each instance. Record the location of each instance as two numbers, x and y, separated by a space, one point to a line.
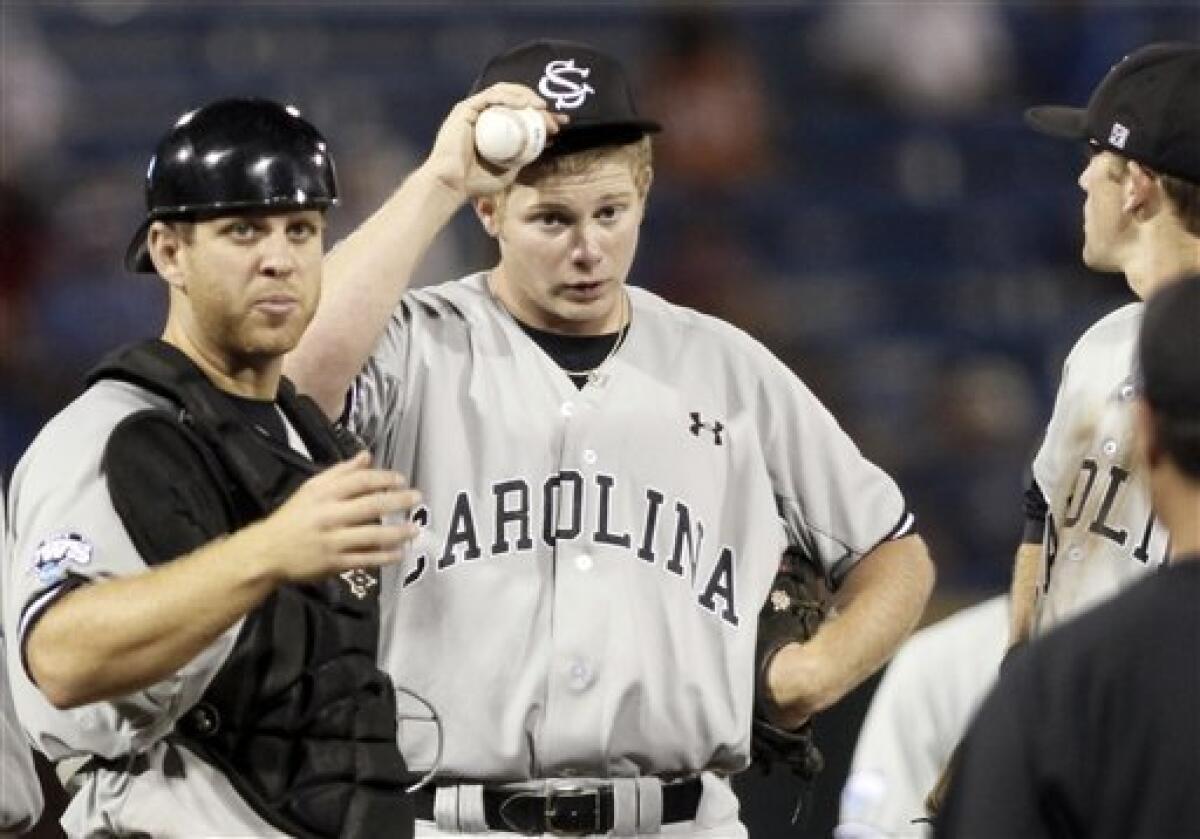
54 557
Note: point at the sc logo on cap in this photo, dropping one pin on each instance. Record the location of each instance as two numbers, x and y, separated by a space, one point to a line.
557 84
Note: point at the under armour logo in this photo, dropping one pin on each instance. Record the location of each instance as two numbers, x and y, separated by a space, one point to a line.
359 581
556 83
1118 136
716 428
781 601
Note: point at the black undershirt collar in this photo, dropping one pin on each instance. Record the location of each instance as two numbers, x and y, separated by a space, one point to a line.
573 352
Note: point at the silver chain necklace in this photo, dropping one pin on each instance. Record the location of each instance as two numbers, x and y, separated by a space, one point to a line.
593 374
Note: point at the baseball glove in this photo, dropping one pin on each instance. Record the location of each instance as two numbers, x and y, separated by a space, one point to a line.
793 612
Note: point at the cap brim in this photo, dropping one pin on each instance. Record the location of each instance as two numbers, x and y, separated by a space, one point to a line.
1065 123
137 256
582 136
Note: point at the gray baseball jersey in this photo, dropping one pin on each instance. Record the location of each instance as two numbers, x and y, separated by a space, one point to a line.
64 532
20 792
931 690
1100 531
583 597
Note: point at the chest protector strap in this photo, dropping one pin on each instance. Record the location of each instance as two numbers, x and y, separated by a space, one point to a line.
299 717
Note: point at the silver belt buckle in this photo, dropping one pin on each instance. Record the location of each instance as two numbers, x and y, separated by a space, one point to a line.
565 820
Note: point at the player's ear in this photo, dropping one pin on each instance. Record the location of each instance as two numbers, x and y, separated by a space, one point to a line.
646 180
487 210
642 182
164 242
1140 194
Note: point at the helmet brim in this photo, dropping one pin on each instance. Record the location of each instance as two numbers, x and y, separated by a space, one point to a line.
137 255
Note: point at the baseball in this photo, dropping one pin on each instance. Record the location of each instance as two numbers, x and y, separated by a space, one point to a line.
508 137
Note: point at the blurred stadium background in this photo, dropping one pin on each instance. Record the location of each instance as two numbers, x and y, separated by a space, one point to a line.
851 182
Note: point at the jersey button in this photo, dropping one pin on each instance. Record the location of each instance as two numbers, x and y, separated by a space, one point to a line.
1109 447
580 675
583 562
589 457
1126 392
568 408
1075 554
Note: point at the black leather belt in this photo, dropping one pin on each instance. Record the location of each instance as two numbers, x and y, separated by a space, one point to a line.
566 810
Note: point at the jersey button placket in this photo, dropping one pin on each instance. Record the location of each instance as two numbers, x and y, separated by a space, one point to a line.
574 703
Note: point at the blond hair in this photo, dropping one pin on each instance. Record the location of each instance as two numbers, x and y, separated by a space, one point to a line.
638 155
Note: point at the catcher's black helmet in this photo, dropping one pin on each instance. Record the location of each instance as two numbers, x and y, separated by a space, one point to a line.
234 155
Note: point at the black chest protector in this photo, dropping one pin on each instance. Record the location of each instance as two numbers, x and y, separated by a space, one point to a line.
299 717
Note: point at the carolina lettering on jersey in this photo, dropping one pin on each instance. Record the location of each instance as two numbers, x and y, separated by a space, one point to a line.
1101 523
1105 485
674 541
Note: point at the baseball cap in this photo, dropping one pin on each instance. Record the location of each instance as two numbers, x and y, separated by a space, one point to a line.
577 80
1169 347
1147 108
